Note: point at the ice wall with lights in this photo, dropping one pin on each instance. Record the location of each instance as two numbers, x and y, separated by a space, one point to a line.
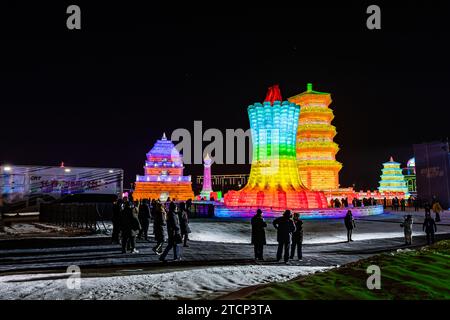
274 181
316 150
163 176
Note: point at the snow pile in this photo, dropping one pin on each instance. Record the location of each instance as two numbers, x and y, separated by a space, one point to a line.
28 228
202 283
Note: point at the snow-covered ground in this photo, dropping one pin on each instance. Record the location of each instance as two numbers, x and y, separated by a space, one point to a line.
315 231
201 283
238 232
205 282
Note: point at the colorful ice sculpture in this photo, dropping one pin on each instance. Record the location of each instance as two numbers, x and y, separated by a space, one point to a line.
274 181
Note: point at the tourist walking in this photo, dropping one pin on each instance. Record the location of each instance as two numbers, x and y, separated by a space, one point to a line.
159 221
297 237
349 224
183 215
144 219
130 227
173 234
285 227
407 228
258 234
429 226
437 209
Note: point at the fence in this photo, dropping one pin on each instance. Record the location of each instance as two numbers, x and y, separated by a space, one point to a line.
76 215
202 210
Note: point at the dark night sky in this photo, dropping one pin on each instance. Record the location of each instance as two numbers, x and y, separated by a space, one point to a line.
103 95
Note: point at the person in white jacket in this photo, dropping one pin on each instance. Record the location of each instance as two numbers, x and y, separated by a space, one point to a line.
407 228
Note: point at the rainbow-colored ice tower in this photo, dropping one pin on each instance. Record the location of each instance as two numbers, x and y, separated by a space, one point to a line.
274 181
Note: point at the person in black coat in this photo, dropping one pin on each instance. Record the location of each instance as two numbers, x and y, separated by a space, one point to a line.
116 216
285 227
416 204
297 237
159 221
144 219
429 226
258 234
183 216
349 224
403 204
173 233
130 227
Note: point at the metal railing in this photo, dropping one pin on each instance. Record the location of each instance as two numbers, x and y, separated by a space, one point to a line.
76 215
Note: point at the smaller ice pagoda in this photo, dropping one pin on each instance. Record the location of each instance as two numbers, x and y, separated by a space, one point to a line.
392 180
163 175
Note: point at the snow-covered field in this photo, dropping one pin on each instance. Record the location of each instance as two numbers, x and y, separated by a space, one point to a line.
201 283
232 232
198 283
315 232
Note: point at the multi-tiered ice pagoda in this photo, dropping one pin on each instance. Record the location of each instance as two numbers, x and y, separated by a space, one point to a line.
163 175
316 150
392 181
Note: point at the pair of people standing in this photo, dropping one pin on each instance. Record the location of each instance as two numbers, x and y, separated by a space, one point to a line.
177 231
289 235
428 226
130 227
126 225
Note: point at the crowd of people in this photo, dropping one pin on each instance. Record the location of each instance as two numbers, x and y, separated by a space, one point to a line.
131 220
343 202
290 229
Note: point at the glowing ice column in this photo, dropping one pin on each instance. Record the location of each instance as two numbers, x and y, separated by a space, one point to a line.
207 188
274 163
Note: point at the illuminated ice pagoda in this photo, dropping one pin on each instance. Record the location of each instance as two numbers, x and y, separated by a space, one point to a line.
274 181
163 174
392 180
316 150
